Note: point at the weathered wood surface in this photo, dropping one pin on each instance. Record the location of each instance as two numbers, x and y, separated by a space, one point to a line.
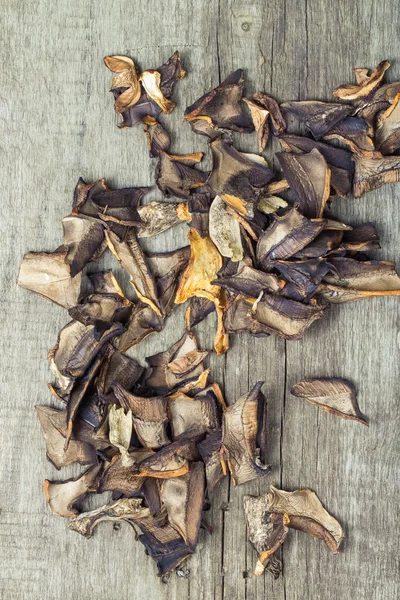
57 123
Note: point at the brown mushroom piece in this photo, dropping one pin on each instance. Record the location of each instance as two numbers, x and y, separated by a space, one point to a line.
151 81
302 276
104 282
225 231
125 78
122 370
271 204
387 134
157 137
309 178
149 417
170 461
365 87
176 175
121 478
157 217
84 238
267 532
259 116
198 309
181 361
250 282
183 498
239 434
285 318
102 310
53 422
239 318
83 194
221 107
278 123
143 322
168 555
306 513
354 133
135 115
325 243
237 178
336 396
339 161
318 117
192 416
118 208
286 235
62 495
132 258
210 451
121 510
47 274
361 238
375 275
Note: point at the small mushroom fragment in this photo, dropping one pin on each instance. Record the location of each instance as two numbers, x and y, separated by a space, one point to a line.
286 236
171 71
221 107
104 282
318 117
387 135
102 310
175 175
250 282
361 238
171 461
167 268
62 495
239 434
125 78
143 321
192 416
118 208
183 498
277 121
83 193
267 532
47 274
84 238
325 243
121 432
157 138
259 116
225 231
198 309
369 276
54 427
237 178
122 370
336 396
124 479
302 276
310 178
157 217
210 450
122 510
239 318
354 132
132 258
364 87
151 81
169 554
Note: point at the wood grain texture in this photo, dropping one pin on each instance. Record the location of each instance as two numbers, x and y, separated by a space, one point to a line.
57 124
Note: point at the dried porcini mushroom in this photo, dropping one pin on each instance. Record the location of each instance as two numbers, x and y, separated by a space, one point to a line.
125 78
157 138
387 135
175 175
334 395
318 117
62 495
371 173
259 116
125 509
278 123
225 231
364 87
157 217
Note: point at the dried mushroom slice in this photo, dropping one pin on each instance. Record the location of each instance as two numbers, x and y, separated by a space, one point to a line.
271 204
167 555
167 268
267 532
104 282
365 87
221 107
204 264
325 243
339 295
238 318
175 175
302 276
62 495
210 451
84 238
151 81
361 238
225 231
318 117
171 71
132 258
192 416
286 236
124 479
354 133
176 364
122 370
336 396
309 178
198 208
370 276
126 79
149 417
122 510
157 138
134 115
143 322
157 217
250 282
387 134
259 116
239 434
304 503
102 310
83 193
239 180
120 432
285 318
171 461
54 427
277 121
198 309
47 274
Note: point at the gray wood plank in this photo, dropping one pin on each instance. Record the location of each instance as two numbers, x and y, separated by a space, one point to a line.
58 123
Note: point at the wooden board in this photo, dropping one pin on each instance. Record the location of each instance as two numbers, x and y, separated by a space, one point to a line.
57 124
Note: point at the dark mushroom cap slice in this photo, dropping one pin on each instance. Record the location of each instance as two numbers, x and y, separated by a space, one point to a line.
259 116
250 282
318 117
277 121
175 174
168 268
302 276
376 275
157 137
84 238
62 495
239 318
323 244
142 322
210 450
192 416
102 310
361 238
336 396
354 133
157 217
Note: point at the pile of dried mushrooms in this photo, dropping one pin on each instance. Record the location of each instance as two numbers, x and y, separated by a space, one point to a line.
263 254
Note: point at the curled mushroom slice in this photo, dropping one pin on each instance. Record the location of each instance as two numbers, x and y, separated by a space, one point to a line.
250 282
285 318
361 238
167 555
83 193
121 369
62 495
175 174
336 396
239 434
204 264
84 238
238 318
183 498
149 417
373 276
267 532
124 479
305 504
54 427
171 461
157 138
118 208
238 179
277 121
225 231
198 309
167 268
221 107
176 364
134 115
354 132
143 322
309 178
132 258
104 282
126 79
121 510
364 87
286 236
210 450
326 242
47 274
102 310
157 217
259 116
192 416
151 81
303 276
387 134
318 117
